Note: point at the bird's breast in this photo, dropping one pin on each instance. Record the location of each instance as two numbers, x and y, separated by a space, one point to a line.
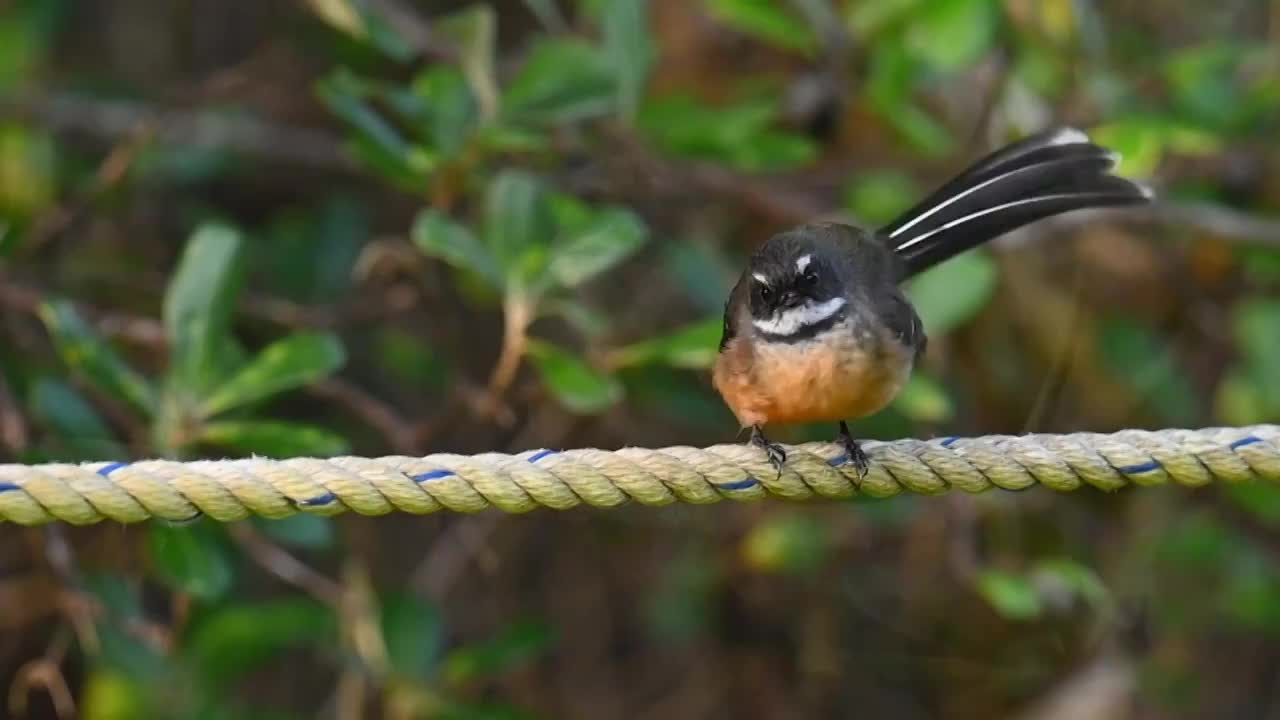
844 374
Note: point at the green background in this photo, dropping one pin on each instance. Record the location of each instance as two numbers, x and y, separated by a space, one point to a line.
400 227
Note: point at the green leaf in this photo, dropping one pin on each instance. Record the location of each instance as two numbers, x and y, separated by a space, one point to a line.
309 532
952 34
112 695
328 234
576 385
561 81
413 633
1013 596
518 227
870 19
76 424
28 157
438 236
1222 85
1199 542
383 36
739 135
1145 360
376 140
878 197
410 360
474 31
547 12
86 353
1240 400
193 559
1257 331
612 236
1251 597
768 20
234 640
792 543
953 293
446 107
283 365
198 305
893 77
774 150
630 51
519 644
586 320
693 346
1081 580
345 94
1144 140
682 601
28 31
274 439
924 399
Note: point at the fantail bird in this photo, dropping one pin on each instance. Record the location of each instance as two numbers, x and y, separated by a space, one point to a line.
817 328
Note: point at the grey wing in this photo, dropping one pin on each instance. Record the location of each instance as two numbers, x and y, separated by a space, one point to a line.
727 333
901 318
730 330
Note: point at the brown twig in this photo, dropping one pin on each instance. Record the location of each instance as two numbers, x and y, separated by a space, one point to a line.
111 171
13 427
138 330
403 435
112 119
516 317
279 562
450 555
45 673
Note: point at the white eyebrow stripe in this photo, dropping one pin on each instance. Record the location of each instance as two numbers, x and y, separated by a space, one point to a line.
789 322
760 278
803 262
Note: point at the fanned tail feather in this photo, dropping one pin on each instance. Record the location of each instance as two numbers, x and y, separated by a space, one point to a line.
1049 173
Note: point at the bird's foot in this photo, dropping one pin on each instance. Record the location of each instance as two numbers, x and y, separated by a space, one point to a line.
853 451
777 456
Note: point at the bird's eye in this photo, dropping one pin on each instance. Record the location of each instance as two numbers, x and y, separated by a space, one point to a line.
765 292
811 278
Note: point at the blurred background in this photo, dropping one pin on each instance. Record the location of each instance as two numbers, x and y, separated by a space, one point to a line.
315 227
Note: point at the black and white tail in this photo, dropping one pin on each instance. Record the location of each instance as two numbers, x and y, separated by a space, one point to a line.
1049 173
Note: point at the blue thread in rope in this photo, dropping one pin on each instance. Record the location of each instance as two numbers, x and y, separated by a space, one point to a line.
1140 468
1245 441
324 499
6 487
743 484
838 460
106 470
948 442
541 454
433 475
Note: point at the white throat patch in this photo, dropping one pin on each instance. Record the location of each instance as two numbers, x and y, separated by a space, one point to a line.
792 320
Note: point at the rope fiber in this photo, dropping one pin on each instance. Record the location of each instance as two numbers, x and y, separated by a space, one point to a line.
228 490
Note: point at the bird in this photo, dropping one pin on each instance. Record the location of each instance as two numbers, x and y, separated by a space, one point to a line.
818 329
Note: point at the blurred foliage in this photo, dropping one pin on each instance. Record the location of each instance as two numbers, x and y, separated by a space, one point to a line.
402 228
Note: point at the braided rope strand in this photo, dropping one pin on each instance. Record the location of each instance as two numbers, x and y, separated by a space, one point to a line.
228 490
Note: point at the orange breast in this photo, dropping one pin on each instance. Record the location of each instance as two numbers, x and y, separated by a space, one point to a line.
838 379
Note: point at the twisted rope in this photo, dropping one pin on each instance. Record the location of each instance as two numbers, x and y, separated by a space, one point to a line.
228 490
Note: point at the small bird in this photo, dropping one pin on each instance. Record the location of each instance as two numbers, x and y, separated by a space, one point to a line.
818 329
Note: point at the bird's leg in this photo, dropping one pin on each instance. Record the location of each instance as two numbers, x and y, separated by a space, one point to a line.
777 456
853 450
